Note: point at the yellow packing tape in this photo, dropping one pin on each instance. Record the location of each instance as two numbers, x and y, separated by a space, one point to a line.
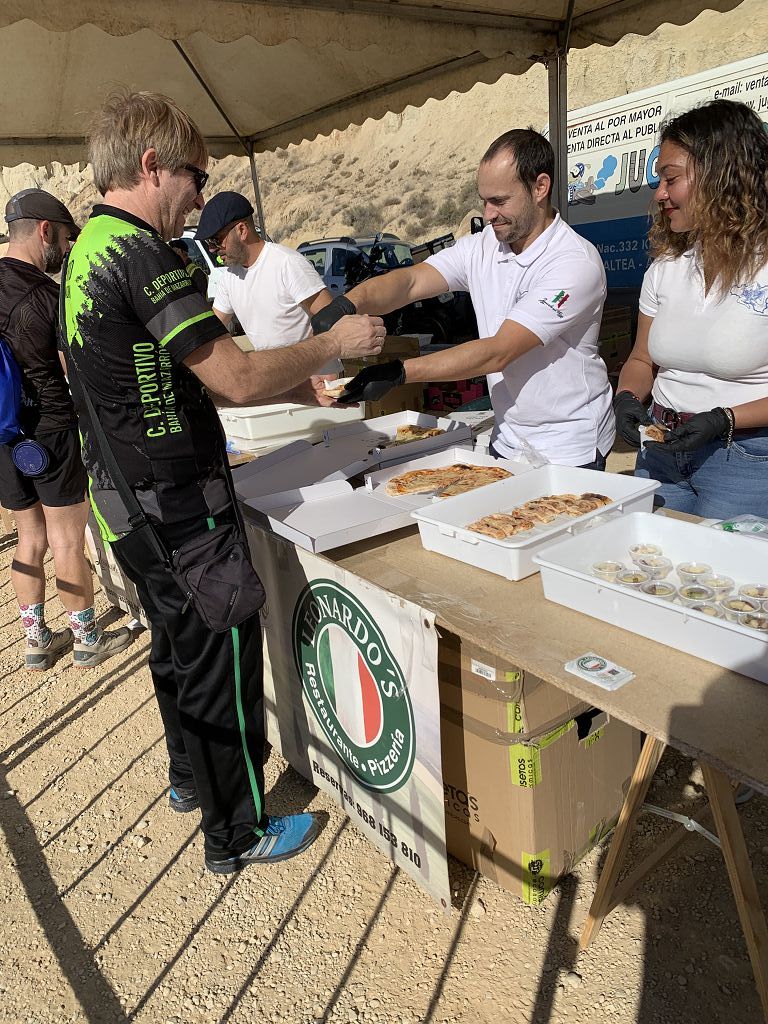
525 758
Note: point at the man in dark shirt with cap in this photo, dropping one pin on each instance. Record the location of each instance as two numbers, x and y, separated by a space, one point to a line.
50 509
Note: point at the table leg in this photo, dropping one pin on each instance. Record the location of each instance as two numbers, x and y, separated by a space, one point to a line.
638 787
743 885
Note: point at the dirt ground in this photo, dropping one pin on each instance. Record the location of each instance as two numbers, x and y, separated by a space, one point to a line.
108 916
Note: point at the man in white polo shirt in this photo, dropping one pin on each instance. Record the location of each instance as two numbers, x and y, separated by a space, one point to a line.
538 291
271 289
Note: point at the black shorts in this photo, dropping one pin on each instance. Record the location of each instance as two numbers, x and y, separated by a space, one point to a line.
64 482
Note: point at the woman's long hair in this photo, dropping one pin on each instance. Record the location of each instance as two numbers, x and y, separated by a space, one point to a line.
728 146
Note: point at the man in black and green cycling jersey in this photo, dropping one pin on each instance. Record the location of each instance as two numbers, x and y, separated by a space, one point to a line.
149 351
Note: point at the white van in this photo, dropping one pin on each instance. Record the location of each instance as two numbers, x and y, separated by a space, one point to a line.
612 153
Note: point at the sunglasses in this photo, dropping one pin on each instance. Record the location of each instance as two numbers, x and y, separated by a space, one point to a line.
201 177
217 242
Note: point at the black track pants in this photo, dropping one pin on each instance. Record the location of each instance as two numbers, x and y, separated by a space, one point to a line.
209 688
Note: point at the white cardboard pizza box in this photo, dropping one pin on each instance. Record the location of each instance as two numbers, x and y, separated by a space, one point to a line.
328 515
376 482
373 434
566 576
443 525
300 465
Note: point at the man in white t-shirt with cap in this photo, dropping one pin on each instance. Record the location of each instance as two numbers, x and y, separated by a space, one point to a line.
271 289
538 290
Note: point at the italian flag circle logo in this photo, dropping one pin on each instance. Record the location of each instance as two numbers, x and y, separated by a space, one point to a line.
354 685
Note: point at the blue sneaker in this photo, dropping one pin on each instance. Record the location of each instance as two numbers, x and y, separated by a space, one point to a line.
183 800
284 838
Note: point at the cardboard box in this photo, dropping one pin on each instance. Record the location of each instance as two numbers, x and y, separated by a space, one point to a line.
410 396
488 689
526 796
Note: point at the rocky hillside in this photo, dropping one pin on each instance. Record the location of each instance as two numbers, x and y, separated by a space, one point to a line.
414 173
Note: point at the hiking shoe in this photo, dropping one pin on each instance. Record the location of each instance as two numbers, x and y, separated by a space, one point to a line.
110 642
39 659
183 799
284 838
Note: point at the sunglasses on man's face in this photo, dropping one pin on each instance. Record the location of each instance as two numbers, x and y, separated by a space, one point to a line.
201 177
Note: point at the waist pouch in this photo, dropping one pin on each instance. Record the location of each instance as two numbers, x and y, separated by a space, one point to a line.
215 573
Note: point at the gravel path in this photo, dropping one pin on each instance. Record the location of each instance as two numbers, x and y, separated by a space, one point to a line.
108 917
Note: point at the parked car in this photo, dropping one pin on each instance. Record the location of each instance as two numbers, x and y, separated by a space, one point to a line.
343 262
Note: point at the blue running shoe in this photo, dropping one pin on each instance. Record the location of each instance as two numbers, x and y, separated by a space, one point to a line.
183 800
285 837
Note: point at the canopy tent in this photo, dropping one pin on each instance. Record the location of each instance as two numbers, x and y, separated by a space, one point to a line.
258 74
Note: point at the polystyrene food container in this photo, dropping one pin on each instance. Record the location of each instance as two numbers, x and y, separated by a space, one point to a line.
566 575
443 527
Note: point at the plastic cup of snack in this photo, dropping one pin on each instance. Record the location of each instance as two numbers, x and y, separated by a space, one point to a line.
691 572
711 608
722 585
735 606
607 570
754 620
695 593
657 566
756 592
633 578
658 588
643 551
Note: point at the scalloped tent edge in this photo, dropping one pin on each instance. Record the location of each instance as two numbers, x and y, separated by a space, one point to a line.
258 74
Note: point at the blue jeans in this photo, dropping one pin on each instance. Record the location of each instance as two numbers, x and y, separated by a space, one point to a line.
713 482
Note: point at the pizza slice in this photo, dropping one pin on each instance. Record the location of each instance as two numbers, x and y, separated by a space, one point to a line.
471 477
411 432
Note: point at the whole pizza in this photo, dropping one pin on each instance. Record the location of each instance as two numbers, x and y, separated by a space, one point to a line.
449 480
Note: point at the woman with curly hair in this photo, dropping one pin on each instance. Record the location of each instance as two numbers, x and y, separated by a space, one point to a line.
701 352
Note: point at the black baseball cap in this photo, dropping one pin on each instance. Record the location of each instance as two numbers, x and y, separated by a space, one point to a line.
223 209
34 204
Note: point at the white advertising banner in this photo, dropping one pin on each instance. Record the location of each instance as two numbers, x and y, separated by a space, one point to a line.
350 685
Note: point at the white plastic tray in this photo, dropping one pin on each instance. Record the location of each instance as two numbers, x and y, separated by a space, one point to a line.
567 579
443 526
265 425
376 482
299 465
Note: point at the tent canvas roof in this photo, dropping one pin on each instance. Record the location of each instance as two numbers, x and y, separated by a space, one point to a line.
281 70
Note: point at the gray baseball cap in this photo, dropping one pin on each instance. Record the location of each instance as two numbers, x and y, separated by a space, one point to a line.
35 204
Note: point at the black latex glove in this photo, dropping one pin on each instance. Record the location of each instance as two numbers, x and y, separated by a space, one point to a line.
373 382
330 314
630 414
695 433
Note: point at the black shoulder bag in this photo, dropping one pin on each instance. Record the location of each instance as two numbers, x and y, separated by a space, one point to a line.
212 569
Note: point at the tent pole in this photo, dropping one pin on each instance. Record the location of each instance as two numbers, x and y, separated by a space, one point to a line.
247 145
257 191
557 73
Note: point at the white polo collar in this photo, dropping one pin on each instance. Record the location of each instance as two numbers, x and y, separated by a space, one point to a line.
532 253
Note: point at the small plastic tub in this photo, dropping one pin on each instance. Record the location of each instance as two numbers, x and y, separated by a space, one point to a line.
691 572
722 585
657 566
735 606
607 570
754 620
695 593
756 592
643 551
633 578
711 608
658 588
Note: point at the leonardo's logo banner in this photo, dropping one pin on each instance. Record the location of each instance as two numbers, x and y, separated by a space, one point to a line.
354 685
